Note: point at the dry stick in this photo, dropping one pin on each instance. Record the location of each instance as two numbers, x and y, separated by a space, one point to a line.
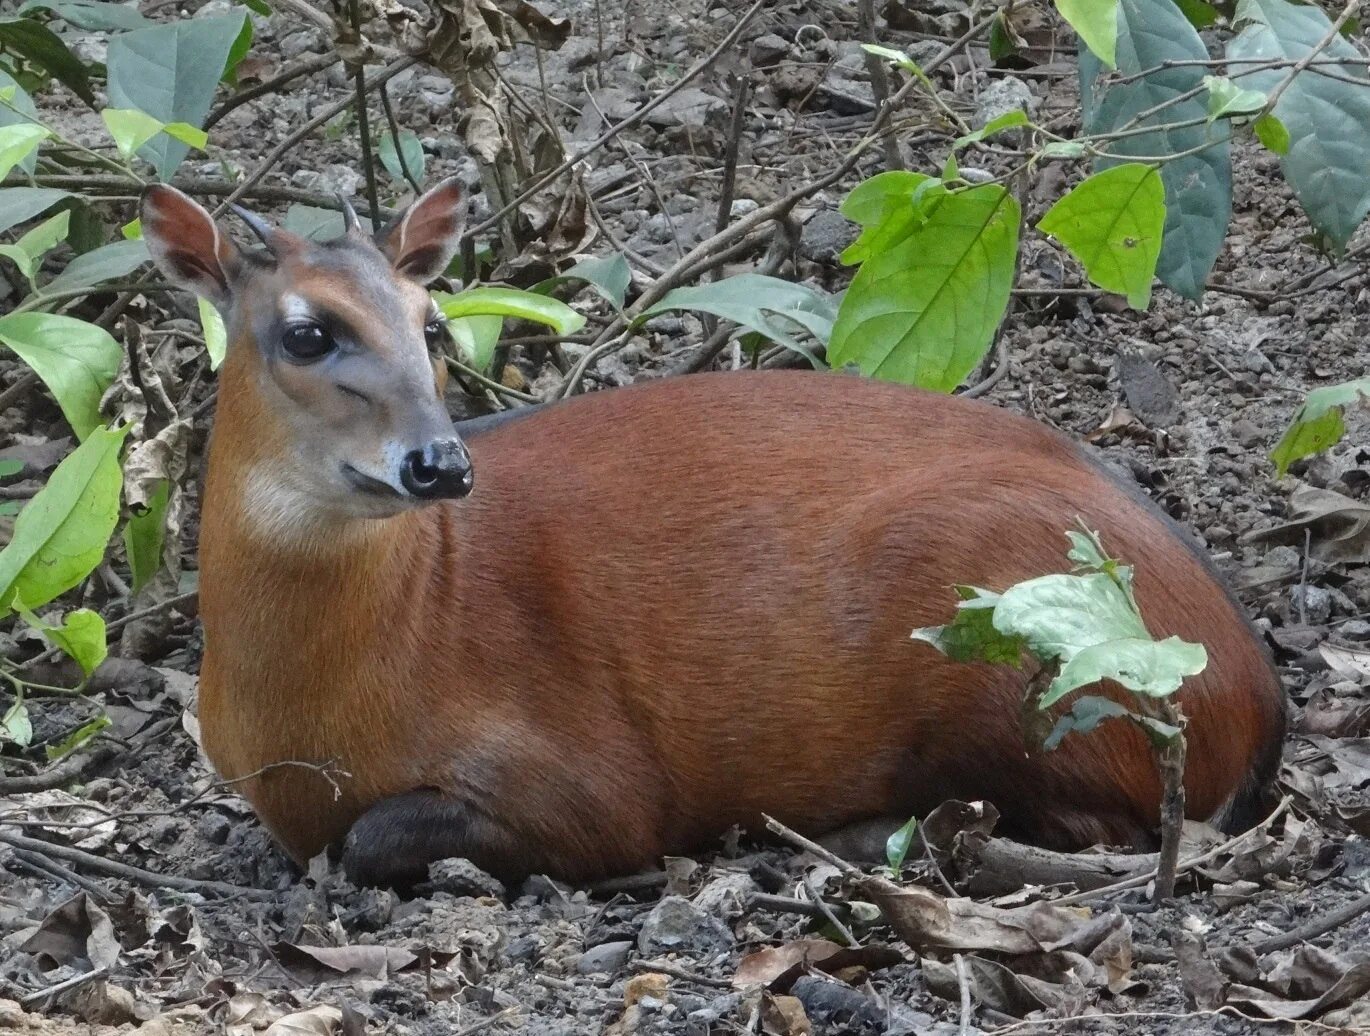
608 342
56 775
963 980
1171 760
880 79
21 387
32 999
1137 880
53 869
147 878
828 914
309 66
278 152
364 124
632 120
1318 926
394 124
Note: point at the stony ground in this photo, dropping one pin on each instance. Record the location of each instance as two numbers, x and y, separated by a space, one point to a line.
1187 397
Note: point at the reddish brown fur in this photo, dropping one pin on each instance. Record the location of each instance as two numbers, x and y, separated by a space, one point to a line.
670 608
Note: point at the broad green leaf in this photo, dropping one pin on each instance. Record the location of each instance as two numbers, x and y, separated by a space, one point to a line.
1113 223
61 534
16 726
30 249
1201 14
410 148
1086 713
91 15
314 223
170 72
885 208
1155 668
216 334
924 312
608 275
1271 132
106 263
76 360
898 844
242 43
40 45
487 300
18 141
1087 554
476 338
1096 22
20 204
890 54
81 635
77 738
1063 149
1328 120
130 128
187 134
1008 120
145 536
768 305
19 109
259 6
1319 423
1198 187
1001 42
1227 98
971 636
9 468
1061 615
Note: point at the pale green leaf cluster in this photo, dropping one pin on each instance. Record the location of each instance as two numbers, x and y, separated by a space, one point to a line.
1319 422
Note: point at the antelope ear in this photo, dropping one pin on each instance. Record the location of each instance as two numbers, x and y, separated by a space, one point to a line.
186 244
422 240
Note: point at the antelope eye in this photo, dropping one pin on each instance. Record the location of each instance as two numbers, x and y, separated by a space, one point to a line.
307 341
435 334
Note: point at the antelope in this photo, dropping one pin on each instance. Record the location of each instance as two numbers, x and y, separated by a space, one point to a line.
611 628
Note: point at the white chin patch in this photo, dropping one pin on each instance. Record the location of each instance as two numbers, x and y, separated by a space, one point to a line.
287 511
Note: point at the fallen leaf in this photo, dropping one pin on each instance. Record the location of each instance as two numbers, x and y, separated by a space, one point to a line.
1339 526
1204 987
778 966
378 962
78 930
1353 984
317 1021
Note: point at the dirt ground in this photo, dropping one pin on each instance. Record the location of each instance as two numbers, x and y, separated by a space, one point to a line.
1187 397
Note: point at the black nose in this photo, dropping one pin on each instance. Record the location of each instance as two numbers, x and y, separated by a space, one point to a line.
441 470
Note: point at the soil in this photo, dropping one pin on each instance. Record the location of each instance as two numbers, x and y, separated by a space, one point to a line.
1188 398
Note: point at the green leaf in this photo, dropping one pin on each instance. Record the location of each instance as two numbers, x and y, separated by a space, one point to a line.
885 207
1328 119
924 312
37 43
1227 98
410 148
1198 187
1001 41
76 738
1061 615
61 534
1113 223
1096 22
242 43
608 275
1152 667
19 110
767 305
81 635
216 334
1201 15
1319 423
314 223
1273 133
1086 713
898 844
18 141
16 726
170 72
187 134
28 251
259 6
476 337
106 263
1008 120
10 468
91 15
76 360
145 536
130 128
19 204
487 300
890 54
971 636
1063 149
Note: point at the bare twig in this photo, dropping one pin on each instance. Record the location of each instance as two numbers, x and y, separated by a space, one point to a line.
364 120
1316 927
394 125
310 65
880 79
43 995
1352 6
963 980
828 914
59 773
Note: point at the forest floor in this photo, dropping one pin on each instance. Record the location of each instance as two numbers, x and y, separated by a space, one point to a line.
1188 397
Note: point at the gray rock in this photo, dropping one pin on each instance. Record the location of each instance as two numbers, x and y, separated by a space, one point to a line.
604 959
726 896
768 50
690 108
837 1007
302 41
460 877
675 925
825 235
1001 97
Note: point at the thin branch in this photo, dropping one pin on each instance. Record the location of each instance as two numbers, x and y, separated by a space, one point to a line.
316 63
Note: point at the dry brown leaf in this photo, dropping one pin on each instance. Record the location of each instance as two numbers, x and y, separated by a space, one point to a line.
1352 662
784 1016
317 1021
77 930
1204 986
777 967
1339 526
1352 985
378 962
